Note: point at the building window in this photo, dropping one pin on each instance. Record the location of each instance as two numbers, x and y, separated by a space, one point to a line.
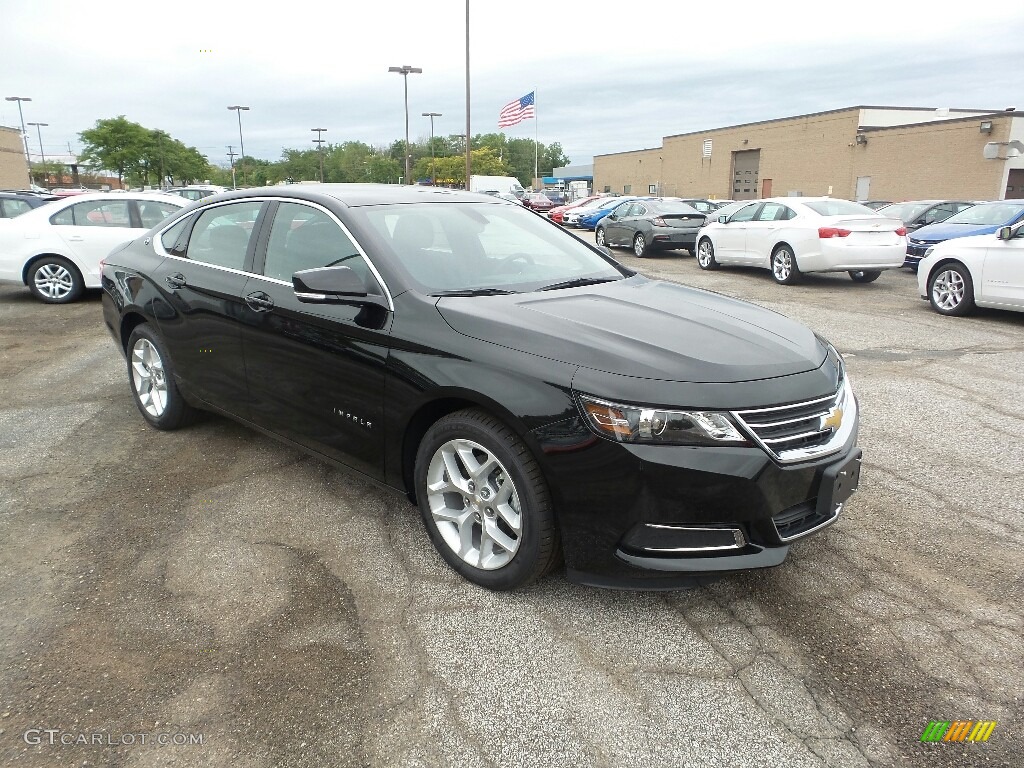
706 149
652 189
626 189
607 188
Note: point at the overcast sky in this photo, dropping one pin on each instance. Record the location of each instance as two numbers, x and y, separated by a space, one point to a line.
609 76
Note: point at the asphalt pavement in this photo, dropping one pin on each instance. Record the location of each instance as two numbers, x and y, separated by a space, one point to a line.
212 585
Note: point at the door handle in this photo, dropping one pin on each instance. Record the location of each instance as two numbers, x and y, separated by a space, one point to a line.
76 239
259 302
175 281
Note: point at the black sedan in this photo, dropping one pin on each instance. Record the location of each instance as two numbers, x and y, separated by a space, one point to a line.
537 400
651 225
920 213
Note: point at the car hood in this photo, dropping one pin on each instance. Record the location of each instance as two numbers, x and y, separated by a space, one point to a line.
642 328
943 231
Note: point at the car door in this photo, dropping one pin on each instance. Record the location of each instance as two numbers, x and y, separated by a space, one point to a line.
731 238
763 233
1003 272
316 371
200 307
612 224
93 228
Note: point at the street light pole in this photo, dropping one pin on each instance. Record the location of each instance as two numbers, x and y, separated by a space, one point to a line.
405 70
320 149
42 154
231 158
24 133
238 110
469 168
433 174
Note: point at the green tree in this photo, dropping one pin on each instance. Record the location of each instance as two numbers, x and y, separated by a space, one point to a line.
115 144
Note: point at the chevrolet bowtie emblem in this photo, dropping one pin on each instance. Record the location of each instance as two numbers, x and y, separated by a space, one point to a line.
833 420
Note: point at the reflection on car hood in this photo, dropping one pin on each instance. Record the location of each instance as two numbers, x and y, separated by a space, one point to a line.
934 233
644 328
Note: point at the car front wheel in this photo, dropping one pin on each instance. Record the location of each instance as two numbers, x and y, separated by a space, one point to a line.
484 501
55 280
151 378
599 237
951 290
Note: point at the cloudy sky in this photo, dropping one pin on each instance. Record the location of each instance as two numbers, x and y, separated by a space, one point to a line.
609 76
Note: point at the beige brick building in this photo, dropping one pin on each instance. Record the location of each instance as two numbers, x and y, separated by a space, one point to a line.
13 171
859 153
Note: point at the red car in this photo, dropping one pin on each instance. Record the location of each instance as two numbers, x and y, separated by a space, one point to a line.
538 202
556 213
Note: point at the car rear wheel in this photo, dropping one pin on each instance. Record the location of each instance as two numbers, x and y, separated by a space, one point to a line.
484 501
784 267
706 255
55 280
951 290
865 275
639 245
599 237
151 378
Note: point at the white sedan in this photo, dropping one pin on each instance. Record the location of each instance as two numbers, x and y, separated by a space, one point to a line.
56 249
790 236
981 270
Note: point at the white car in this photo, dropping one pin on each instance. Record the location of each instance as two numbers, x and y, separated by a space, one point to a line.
56 249
790 236
981 270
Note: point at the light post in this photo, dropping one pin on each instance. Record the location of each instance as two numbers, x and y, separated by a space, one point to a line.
24 133
231 158
238 110
405 70
320 149
39 132
433 174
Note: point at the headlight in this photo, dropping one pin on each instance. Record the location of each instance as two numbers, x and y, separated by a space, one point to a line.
636 424
928 252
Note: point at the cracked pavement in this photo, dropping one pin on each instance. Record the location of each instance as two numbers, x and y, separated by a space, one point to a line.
214 581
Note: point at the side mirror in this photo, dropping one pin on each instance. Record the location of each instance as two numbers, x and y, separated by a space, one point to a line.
723 219
328 285
1006 233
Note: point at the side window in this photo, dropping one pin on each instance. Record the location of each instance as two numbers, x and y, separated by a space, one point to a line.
65 218
621 209
303 237
746 213
170 237
11 208
636 209
101 213
152 212
221 234
772 212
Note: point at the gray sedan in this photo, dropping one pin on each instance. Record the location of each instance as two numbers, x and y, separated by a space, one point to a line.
651 225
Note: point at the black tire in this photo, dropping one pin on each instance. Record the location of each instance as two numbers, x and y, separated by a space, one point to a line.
705 254
783 266
951 289
640 245
865 275
175 412
538 546
599 238
55 280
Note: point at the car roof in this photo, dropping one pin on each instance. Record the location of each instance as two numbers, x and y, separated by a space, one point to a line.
357 195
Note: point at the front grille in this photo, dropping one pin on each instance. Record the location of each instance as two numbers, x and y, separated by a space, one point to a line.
799 431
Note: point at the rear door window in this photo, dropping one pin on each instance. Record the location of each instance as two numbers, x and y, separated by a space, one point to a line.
221 235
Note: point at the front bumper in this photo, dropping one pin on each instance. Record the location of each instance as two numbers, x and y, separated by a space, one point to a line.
665 517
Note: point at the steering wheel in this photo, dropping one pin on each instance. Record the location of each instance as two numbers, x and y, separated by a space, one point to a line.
518 256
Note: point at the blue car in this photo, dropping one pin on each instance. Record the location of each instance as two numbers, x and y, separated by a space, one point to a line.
590 220
981 219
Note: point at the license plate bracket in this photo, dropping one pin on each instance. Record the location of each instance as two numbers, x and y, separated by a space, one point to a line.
838 484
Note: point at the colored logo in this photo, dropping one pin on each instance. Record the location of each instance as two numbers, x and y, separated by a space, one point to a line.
958 730
833 421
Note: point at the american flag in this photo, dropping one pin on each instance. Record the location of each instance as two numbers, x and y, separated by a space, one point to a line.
516 111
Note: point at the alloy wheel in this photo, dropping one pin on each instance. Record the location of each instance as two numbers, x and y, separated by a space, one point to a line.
474 504
948 289
704 254
599 237
54 281
639 245
149 378
782 265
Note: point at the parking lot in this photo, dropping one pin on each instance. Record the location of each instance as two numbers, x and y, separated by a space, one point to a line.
213 581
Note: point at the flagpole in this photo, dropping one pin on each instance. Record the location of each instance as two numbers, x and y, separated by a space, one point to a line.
536 134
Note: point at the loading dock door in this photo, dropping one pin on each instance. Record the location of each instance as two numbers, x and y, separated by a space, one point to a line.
745 166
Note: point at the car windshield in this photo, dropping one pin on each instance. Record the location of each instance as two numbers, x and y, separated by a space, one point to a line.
840 208
441 248
991 214
904 211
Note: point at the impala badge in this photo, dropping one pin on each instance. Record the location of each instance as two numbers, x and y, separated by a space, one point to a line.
832 421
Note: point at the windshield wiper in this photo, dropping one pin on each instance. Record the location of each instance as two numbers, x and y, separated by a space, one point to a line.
475 292
578 281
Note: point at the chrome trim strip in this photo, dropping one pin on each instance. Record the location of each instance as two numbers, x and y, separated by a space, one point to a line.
809 531
311 296
791 406
801 436
297 201
770 424
739 539
211 266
